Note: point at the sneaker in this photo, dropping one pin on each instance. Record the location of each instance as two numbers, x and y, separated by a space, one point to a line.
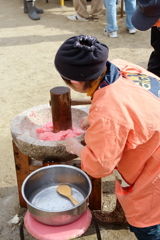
132 31
110 34
95 19
76 17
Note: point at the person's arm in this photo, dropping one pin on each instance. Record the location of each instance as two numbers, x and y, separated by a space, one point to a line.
105 142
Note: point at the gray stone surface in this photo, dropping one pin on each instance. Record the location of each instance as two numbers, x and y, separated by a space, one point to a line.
23 131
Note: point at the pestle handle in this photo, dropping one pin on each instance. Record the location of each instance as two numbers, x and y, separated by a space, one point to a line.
80 102
77 102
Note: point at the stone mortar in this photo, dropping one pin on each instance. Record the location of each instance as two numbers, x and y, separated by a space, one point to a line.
23 131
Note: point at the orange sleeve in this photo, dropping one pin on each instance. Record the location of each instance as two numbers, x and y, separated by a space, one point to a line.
105 142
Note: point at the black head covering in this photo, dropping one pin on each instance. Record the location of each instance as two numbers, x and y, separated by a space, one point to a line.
81 58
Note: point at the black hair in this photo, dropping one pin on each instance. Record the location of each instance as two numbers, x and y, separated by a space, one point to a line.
87 84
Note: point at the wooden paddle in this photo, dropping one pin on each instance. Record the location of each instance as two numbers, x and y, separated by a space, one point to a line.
66 191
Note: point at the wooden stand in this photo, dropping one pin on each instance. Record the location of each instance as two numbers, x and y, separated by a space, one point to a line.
24 168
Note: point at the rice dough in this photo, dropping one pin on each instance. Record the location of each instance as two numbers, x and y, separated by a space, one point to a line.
46 133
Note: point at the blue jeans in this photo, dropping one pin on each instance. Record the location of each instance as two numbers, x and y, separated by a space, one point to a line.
147 233
111 14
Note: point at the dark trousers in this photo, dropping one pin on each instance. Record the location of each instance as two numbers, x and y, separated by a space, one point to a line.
147 233
154 60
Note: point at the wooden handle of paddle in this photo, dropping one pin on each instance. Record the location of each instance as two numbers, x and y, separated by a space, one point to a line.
74 201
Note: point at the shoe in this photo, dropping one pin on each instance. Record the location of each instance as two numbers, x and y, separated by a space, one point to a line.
132 31
38 10
110 34
95 19
76 17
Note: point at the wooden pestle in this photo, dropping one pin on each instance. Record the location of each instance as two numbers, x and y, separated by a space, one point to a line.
61 108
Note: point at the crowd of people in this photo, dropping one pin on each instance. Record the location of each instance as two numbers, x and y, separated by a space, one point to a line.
111 14
82 14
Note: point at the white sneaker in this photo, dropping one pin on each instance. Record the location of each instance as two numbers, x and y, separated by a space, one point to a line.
110 34
132 31
76 17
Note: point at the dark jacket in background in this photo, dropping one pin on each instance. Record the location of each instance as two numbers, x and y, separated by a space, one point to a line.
154 60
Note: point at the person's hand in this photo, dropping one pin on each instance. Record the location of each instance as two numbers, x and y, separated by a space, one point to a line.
70 144
84 123
74 146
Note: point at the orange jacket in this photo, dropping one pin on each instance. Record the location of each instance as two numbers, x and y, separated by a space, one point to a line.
124 133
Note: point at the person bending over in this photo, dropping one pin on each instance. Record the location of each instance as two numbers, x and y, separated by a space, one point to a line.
123 130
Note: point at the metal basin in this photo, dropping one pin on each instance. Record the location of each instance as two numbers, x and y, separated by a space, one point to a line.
49 207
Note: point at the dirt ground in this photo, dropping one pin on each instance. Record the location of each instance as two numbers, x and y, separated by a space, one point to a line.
27 50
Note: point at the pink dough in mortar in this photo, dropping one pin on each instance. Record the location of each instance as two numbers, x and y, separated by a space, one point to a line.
46 133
